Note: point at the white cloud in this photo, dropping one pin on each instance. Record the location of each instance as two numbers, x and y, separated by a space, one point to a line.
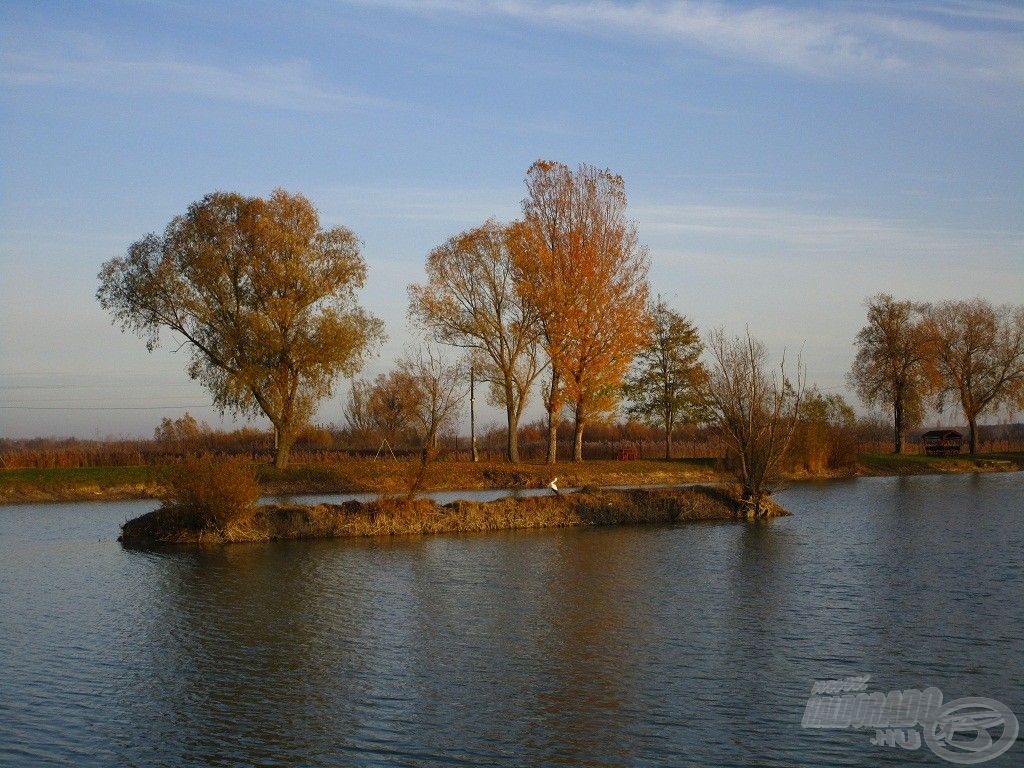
973 9
879 40
759 230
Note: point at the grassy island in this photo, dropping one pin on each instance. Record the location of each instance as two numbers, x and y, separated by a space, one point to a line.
391 516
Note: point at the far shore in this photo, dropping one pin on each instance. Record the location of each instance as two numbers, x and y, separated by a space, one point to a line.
21 486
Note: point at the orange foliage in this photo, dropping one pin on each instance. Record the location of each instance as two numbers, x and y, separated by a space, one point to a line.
582 267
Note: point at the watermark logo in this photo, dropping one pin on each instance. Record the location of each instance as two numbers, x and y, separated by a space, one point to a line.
965 731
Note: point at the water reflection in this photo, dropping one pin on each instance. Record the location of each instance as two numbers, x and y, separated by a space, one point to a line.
691 644
260 612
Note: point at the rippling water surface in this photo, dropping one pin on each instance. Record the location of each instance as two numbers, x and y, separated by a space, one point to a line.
680 645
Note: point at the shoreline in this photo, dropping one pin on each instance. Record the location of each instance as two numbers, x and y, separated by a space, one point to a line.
44 486
412 517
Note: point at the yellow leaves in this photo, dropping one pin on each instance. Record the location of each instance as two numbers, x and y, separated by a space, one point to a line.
263 296
581 265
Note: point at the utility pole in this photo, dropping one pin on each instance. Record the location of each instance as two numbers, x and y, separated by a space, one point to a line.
475 455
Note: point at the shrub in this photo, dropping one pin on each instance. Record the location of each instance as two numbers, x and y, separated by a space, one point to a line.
214 491
826 434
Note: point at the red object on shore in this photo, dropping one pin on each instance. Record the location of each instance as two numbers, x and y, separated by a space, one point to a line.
628 454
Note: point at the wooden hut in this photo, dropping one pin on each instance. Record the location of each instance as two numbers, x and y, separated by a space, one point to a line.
942 442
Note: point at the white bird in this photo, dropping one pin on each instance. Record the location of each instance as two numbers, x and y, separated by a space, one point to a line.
553 485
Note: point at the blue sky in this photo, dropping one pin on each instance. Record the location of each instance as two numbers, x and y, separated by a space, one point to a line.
783 160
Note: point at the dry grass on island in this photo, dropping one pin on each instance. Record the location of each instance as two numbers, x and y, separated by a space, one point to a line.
215 503
391 516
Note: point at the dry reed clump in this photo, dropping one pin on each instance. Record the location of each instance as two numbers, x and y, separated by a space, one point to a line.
400 516
208 493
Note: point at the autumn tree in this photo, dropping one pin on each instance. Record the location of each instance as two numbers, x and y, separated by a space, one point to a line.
891 369
471 300
382 409
184 434
666 384
756 409
260 294
979 353
582 267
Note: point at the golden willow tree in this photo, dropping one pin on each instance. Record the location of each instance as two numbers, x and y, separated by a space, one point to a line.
262 296
471 300
892 368
979 356
582 267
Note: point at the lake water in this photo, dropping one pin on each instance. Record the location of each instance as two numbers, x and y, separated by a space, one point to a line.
662 645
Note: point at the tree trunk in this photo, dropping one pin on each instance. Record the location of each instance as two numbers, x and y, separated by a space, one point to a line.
512 442
668 443
897 435
552 439
577 440
428 451
285 441
749 499
474 454
552 420
972 424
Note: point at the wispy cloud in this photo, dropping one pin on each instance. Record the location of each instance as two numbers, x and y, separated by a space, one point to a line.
759 230
83 62
955 40
973 9
750 232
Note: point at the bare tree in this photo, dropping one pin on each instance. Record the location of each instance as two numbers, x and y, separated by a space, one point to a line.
756 409
437 385
470 300
892 366
979 352
356 410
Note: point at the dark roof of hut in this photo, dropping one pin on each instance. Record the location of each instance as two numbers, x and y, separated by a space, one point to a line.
941 434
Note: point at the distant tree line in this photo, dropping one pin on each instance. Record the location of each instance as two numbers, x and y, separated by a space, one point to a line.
912 354
557 302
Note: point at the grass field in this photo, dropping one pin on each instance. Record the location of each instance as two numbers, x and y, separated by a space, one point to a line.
79 483
390 476
893 464
353 476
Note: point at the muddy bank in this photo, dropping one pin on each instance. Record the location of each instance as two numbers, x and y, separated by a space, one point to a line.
397 517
